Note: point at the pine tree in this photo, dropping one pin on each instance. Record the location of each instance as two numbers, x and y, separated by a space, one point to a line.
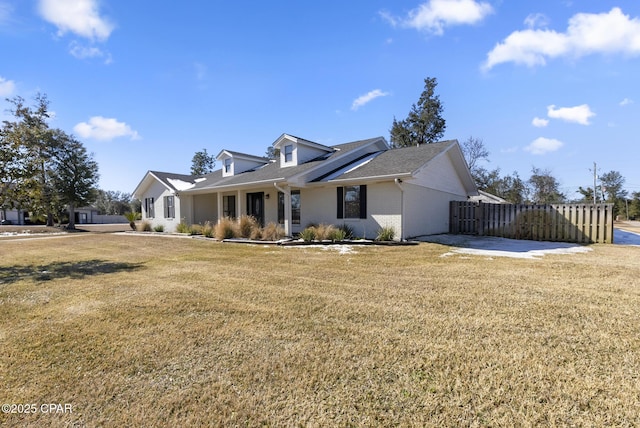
424 124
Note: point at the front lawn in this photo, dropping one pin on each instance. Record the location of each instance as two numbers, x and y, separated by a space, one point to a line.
156 331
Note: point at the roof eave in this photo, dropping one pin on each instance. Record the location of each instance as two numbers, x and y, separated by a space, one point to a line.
372 178
144 179
226 187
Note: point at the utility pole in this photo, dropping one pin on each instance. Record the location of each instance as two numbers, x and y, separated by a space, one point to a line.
595 177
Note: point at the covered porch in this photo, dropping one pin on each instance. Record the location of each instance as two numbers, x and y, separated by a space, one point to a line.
273 203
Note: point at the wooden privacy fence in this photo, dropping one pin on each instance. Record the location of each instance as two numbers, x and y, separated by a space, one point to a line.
580 223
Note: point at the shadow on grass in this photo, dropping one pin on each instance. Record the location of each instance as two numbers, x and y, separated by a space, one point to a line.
57 270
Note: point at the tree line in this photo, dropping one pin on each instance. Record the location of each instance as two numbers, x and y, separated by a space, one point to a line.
424 124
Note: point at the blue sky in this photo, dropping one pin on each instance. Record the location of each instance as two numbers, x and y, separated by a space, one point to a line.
145 84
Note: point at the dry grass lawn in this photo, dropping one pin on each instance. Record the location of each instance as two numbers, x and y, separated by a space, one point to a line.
151 331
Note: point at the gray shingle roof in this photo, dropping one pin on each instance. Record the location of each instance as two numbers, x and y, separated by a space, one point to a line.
386 163
272 171
165 176
405 160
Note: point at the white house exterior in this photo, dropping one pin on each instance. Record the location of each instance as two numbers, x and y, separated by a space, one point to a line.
364 184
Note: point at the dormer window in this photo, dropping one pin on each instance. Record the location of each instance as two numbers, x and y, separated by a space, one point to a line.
288 153
296 151
234 163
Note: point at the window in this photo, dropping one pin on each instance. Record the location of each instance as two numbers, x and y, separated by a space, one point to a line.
288 153
295 207
149 210
169 207
229 206
352 202
227 165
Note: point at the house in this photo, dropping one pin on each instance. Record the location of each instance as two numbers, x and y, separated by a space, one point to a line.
487 198
12 216
364 184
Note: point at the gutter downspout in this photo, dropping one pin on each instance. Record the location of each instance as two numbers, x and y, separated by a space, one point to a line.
398 182
287 208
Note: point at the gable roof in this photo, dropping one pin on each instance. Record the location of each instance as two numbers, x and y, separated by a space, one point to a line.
402 162
272 172
394 162
381 163
302 141
173 182
241 155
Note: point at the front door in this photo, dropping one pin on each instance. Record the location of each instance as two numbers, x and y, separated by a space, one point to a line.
255 206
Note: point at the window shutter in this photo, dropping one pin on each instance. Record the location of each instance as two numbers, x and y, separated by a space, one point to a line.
363 201
340 202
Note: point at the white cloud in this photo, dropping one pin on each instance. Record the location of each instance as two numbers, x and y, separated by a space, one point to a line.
539 122
80 17
366 98
578 114
587 33
104 129
6 87
536 20
434 15
542 145
84 52
626 102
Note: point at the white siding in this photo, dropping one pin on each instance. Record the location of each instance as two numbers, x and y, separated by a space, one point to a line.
205 208
440 174
427 198
157 191
319 205
426 210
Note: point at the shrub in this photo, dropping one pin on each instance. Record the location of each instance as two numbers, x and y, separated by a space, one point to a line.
272 232
348 231
145 226
386 233
256 233
247 226
207 229
308 234
195 229
337 235
325 231
158 228
225 229
132 217
182 227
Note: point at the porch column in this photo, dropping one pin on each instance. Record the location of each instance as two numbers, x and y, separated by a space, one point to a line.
220 207
239 205
287 208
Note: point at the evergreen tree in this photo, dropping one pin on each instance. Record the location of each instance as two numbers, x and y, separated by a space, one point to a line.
202 163
544 188
611 185
424 124
42 169
29 160
75 175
